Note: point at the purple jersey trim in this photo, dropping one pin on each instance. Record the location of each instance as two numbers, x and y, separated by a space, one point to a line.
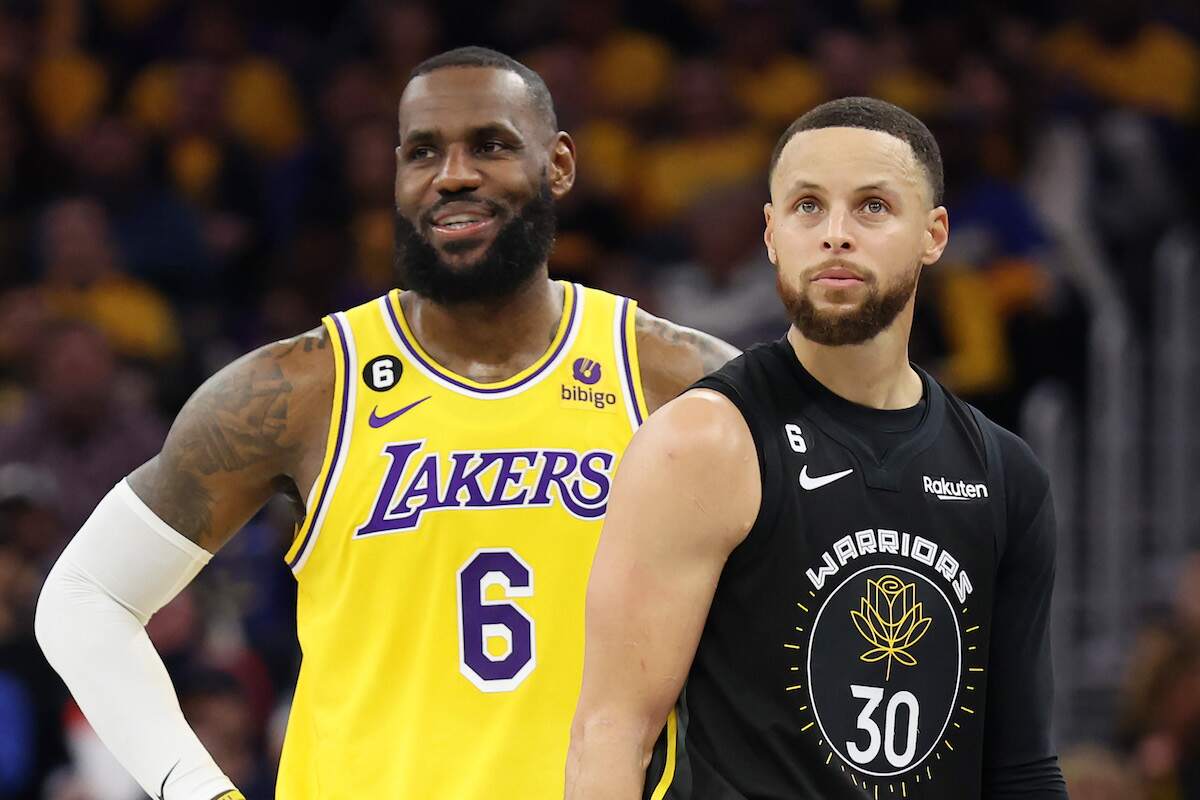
627 363
449 377
343 416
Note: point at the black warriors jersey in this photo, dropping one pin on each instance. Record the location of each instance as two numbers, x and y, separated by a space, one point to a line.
882 631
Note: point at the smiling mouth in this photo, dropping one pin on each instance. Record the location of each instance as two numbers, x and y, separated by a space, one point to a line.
458 220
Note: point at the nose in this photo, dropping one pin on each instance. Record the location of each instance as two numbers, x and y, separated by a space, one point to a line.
837 238
457 172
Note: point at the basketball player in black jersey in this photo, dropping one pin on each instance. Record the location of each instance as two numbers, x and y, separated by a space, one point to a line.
828 576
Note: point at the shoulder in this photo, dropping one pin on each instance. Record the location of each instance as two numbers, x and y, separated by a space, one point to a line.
673 357
262 417
1026 481
697 453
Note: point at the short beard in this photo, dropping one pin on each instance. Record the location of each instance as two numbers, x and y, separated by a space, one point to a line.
516 254
834 329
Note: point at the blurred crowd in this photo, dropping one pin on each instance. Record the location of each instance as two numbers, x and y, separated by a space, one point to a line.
181 181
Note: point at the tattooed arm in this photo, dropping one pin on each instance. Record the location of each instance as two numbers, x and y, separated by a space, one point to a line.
673 357
255 428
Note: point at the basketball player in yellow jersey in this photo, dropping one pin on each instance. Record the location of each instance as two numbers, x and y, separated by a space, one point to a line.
449 451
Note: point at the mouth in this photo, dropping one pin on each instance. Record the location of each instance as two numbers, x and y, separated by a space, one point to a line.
461 220
838 275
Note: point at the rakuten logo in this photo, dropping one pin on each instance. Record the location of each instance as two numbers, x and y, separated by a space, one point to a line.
945 489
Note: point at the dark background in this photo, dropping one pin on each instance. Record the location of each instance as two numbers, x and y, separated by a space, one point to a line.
183 181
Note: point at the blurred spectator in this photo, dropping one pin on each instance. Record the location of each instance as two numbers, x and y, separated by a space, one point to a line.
255 95
1161 704
215 705
727 288
1115 52
161 238
628 69
83 278
19 188
30 695
773 83
404 34
1095 773
77 425
708 143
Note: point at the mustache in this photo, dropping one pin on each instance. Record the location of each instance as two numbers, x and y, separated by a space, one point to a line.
460 197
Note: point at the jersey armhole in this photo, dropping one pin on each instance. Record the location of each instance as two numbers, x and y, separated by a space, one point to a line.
626 351
336 443
995 471
769 471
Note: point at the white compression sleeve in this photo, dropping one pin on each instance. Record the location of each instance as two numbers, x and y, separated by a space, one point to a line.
123 566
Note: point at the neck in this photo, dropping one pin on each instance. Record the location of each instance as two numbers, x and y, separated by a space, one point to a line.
875 373
489 340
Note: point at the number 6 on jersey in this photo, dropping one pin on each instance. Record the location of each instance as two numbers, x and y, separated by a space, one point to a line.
481 621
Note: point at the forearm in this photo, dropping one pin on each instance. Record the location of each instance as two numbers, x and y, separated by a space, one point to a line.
607 759
90 621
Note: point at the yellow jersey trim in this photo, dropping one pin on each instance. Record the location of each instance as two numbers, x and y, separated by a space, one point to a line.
560 345
625 346
668 775
336 446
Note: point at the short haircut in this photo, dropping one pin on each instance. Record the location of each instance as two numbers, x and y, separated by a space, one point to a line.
539 94
872 114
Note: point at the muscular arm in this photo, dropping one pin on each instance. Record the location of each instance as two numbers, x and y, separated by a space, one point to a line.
251 428
686 494
673 357
255 428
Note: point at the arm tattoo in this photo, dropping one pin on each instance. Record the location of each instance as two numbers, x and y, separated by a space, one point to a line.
315 339
236 422
239 423
712 352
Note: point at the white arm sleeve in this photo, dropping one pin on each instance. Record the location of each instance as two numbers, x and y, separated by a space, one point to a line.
123 566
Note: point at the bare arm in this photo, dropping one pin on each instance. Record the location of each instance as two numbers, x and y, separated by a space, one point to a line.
255 428
673 357
686 494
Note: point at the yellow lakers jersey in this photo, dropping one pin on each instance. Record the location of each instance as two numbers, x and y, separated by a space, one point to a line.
443 564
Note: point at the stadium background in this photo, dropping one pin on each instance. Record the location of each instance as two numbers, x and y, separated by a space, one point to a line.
183 181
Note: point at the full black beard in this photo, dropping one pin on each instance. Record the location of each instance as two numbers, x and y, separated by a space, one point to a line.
877 312
519 250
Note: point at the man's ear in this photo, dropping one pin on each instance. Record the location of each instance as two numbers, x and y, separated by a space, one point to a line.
769 232
937 235
562 165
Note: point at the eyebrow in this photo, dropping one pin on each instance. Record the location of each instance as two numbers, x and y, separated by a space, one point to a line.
432 135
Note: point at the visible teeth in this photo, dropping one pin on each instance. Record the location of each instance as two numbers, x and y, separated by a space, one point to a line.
459 219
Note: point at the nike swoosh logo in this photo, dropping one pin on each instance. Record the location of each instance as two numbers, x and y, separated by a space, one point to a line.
162 789
824 480
376 421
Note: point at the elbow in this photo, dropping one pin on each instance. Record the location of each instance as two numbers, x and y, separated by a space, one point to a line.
50 618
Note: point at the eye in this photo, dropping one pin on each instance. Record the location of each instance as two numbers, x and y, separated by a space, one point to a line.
492 146
807 205
875 206
419 153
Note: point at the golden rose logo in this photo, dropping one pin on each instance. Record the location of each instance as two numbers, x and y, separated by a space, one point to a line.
891 620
